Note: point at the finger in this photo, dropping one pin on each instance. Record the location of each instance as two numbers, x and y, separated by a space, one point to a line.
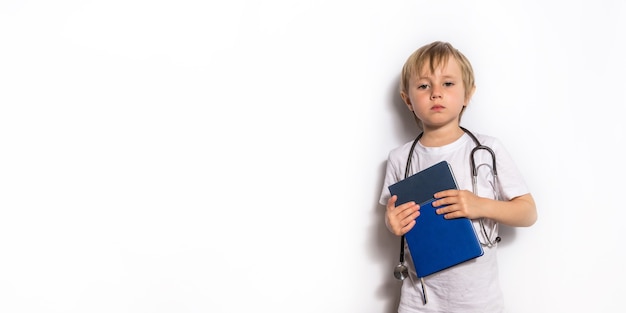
447 212
405 206
403 214
446 193
408 227
445 201
452 212
391 203
448 209
453 215
410 213
444 210
403 218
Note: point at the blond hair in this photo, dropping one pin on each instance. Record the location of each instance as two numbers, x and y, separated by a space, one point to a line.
436 54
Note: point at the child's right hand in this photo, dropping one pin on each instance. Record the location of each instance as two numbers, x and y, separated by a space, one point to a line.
400 219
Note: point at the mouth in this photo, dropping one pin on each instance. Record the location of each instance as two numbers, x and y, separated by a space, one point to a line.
437 107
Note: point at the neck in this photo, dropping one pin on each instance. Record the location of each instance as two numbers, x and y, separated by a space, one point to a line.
438 137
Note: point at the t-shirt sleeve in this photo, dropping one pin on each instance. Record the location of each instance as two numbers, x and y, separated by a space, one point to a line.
391 177
510 179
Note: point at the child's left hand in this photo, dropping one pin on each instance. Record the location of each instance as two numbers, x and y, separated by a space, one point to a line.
459 203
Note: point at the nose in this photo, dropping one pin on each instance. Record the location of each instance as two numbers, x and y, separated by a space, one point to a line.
435 93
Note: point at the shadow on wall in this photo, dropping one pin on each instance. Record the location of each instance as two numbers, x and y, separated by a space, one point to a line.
385 250
385 247
405 126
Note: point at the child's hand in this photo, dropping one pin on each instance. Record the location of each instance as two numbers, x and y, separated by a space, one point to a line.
400 219
460 203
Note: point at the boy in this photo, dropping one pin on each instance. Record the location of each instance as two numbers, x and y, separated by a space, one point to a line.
437 84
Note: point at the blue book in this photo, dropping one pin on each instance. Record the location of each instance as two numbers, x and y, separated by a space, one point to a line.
434 242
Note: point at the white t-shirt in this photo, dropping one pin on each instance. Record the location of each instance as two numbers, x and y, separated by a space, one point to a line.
472 286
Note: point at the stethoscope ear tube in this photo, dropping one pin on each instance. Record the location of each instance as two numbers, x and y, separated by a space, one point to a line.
494 172
473 163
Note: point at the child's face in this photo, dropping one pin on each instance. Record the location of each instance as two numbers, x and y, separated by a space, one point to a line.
437 98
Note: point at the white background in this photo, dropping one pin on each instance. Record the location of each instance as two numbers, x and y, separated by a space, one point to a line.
227 156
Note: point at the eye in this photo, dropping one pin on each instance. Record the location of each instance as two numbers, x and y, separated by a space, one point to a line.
448 84
422 86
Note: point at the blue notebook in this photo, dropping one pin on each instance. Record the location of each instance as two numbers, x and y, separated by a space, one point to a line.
434 242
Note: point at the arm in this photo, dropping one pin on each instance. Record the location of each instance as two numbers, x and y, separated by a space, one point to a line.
518 212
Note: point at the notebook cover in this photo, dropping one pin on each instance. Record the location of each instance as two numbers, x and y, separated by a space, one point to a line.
434 242
421 186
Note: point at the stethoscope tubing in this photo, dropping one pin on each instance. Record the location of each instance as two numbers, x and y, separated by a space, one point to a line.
474 170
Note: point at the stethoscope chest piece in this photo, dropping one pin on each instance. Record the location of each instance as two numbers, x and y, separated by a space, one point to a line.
401 271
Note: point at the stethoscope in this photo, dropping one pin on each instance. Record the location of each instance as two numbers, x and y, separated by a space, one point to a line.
401 271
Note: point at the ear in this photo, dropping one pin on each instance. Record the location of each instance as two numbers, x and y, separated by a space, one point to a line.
406 100
469 96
